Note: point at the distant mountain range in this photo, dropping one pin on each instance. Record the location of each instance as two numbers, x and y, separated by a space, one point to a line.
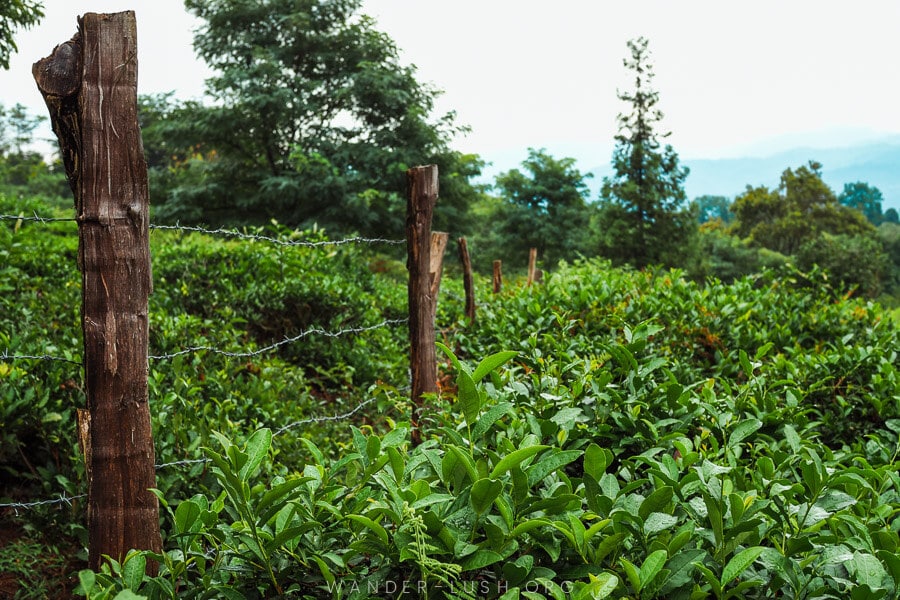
876 163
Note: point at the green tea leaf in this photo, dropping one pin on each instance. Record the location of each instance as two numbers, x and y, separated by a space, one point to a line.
468 396
489 417
653 564
186 515
743 430
631 571
550 463
133 570
373 526
868 570
739 563
87 578
596 459
657 522
515 458
792 437
656 501
481 559
483 493
257 447
492 362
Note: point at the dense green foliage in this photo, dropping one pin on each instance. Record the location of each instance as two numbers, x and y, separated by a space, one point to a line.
642 219
611 433
804 220
15 14
313 120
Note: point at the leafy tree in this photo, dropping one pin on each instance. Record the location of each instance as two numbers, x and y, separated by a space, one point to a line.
642 220
24 172
13 15
710 208
865 198
727 257
853 261
891 216
314 120
802 208
543 208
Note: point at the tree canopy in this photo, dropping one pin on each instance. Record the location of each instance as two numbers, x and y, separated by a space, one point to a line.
15 14
865 198
313 119
545 208
642 216
800 209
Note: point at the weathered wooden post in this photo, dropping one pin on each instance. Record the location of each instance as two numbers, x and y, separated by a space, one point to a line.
498 276
422 194
532 265
439 241
90 86
468 281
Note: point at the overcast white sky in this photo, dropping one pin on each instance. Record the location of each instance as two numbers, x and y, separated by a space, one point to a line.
732 76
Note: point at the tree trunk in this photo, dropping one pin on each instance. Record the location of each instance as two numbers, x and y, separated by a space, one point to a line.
90 87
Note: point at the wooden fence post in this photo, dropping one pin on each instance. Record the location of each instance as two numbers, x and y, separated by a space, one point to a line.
498 276
90 87
532 263
422 194
468 281
439 241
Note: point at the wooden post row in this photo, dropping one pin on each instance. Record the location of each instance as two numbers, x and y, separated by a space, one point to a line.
422 194
90 87
468 281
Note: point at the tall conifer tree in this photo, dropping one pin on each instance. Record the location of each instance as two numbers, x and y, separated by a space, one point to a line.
642 216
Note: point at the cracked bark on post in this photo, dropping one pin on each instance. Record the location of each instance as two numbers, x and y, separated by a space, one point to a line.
90 87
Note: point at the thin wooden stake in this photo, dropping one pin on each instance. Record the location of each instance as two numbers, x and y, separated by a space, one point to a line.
422 195
498 276
532 264
90 87
468 281
439 241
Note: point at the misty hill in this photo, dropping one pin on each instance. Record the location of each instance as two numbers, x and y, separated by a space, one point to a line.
877 164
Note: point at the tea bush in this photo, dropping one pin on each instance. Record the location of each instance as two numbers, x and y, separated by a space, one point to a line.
609 433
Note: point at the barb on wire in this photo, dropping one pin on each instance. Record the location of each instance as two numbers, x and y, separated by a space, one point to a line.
182 463
35 217
62 499
283 342
7 356
272 240
311 420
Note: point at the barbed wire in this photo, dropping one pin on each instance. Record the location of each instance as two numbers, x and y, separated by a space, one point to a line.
35 217
289 340
234 233
64 499
61 499
7 356
312 420
273 240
